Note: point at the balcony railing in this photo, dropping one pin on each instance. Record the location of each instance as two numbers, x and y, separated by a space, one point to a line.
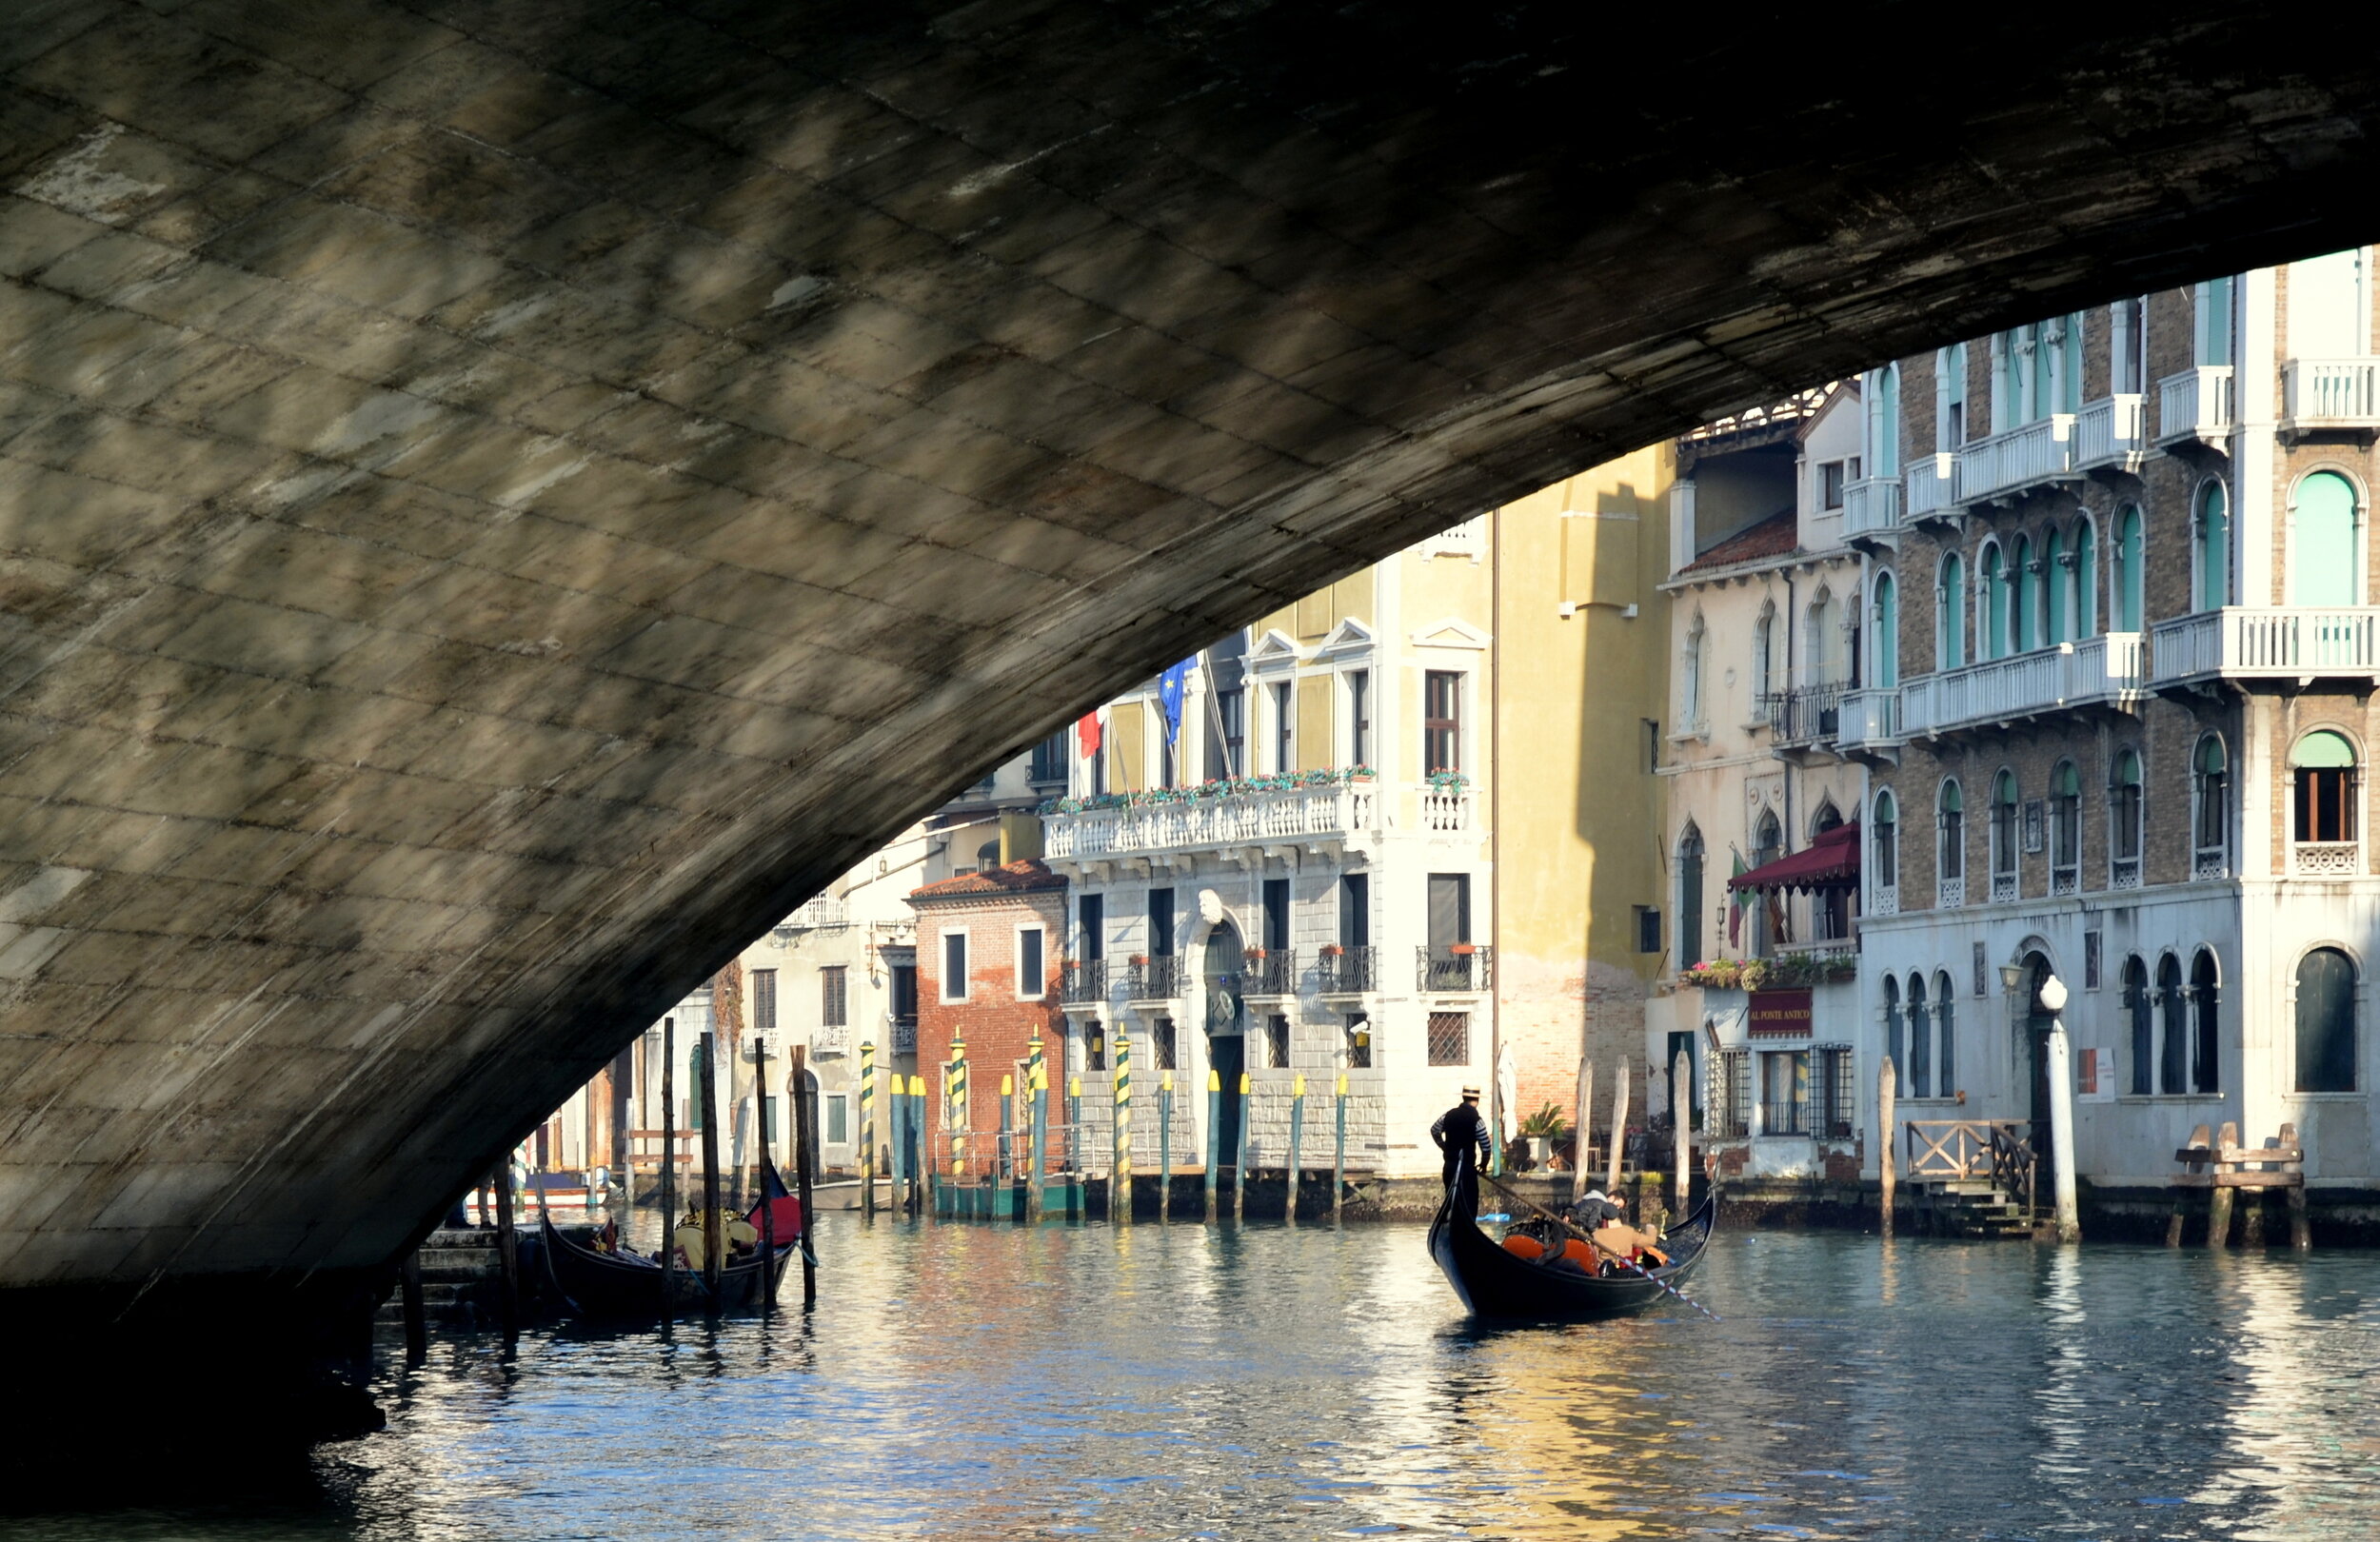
820 913
1932 485
2111 431
1872 509
2045 680
1442 970
2003 888
1805 713
1348 972
904 1036
1236 819
1082 980
830 1038
2196 403
1269 972
2279 642
1447 810
2330 393
1868 719
2326 858
1155 979
1950 893
2033 455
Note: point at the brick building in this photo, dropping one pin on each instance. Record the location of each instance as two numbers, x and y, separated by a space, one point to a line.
2118 565
987 958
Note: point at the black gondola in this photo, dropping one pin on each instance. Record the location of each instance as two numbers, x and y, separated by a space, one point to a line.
1494 1284
623 1287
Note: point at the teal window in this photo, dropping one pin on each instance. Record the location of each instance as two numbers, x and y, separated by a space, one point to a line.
1950 822
1951 641
2326 1023
1886 841
2324 763
1995 639
1888 631
2214 548
2054 579
2214 322
2086 580
2128 573
2024 603
1884 451
2325 528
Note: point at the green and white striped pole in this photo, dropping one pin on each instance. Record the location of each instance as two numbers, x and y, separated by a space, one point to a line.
1119 1181
1297 1139
1339 1150
1214 1133
1165 1147
1239 1157
867 1128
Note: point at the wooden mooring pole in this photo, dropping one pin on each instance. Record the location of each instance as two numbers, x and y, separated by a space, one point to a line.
1213 1137
508 1246
416 1319
797 1087
1165 1148
1339 1151
766 1164
1297 1142
670 1161
1582 1156
708 1092
1886 1085
1239 1157
868 1129
1619 1127
2219 1196
1681 1118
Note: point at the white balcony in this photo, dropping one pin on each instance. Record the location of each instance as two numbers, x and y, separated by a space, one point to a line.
1868 720
2330 393
1872 509
1932 487
2196 403
1950 893
2006 464
2269 641
2112 431
2097 669
2325 859
1315 813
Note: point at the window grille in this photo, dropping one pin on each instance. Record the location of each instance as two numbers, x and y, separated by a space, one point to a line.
763 998
1277 1042
1450 1038
1837 1091
1359 1041
833 1003
1095 1047
1731 1093
1161 1044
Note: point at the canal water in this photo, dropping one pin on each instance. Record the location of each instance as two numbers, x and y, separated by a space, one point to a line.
972 1382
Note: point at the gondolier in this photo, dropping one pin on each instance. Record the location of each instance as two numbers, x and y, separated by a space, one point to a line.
1458 1132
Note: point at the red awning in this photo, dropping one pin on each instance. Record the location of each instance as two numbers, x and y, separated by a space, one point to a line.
1832 862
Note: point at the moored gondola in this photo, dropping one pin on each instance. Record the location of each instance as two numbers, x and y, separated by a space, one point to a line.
623 1287
1494 1284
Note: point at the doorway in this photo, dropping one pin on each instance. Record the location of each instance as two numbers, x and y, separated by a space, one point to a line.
2036 1042
1226 1034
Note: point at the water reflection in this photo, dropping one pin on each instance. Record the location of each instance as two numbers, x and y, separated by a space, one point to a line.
1187 1382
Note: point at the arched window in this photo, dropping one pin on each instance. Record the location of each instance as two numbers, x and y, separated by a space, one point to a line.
2058 605
1690 896
2085 579
2212 319
2211 810
2326 1023
1950 857
1993 621
1946 1039
2004 837
2024 608
2124 812
1920 1040
2212 532
1884 423
2324 766
2124 372
2206 1056
1950 601
1950 397
2065 829
1884 840
1764 653
1888 633
1768 915
1824 633
2173 1045
2140 1012
2326 538
2127 576
1892 1045
1689 687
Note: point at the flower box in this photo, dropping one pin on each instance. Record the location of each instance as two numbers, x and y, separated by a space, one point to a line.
1139 960
1332 950
1257 954
1462 950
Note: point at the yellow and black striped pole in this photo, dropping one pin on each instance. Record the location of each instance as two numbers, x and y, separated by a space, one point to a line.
867 1128
1119 1185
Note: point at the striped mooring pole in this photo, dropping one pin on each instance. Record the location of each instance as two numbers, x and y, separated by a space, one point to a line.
1214 1132
1119 1181
1339 1149
917 1143
1296 1139
1007 1113
1036 1096
1073 1125
1165 1147
954 1090
1239 1157
867 1128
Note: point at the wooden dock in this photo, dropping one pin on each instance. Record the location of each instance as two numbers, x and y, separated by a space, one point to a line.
2222 1167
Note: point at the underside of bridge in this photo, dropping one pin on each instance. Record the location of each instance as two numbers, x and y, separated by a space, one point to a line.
499 502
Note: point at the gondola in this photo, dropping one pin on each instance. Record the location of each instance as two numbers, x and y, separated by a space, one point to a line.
1494 1284
623 1287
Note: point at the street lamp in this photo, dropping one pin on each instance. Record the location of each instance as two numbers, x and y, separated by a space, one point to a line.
2012 978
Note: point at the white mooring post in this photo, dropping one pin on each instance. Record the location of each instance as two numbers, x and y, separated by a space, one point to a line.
2061 1110
1583 1155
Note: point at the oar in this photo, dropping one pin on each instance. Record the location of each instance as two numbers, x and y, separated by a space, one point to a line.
1589 1238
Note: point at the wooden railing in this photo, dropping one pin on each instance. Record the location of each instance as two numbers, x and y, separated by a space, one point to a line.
1968 1149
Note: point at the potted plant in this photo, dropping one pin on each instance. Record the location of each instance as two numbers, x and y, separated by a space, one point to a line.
1332 950
1139 960
1540 1130
1462 950
1255 954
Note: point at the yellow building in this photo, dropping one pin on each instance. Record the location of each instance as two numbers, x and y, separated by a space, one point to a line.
1404 828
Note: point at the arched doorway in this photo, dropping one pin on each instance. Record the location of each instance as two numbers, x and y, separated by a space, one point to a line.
2035 1040
1226 1032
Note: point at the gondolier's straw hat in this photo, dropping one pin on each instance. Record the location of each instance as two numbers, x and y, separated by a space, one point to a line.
1471 1091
